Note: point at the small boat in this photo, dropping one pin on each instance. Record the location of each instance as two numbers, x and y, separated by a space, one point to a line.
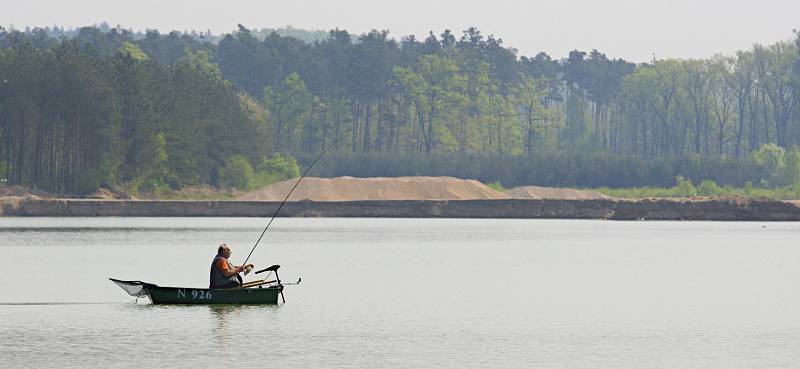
255 292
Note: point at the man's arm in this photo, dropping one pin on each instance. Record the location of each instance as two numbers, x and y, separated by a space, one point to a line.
228 269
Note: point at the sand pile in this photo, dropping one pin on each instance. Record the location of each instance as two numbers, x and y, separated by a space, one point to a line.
380 188
22 192
109 194
551 193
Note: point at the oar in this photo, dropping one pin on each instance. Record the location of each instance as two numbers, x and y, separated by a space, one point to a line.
260 283
256 283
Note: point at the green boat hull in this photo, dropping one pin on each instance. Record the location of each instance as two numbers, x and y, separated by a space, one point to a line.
261 295
204 296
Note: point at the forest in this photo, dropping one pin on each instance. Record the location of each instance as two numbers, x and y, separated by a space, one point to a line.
151 112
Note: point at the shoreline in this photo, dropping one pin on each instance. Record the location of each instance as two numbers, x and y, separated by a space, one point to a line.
722 209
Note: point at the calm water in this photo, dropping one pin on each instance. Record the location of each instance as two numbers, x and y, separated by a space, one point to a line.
407 293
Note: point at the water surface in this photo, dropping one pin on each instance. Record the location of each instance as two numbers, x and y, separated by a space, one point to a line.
407 293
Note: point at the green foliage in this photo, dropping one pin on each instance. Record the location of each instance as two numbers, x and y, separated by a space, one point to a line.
770 156
685 187
236 173
497 186
778 193
307 36
284 166
277 167
770 159
166 112
200 62
791 172
748 189
434 86
152 179
82 120
89 181
530 96
289 107
132 51
153 187
710 188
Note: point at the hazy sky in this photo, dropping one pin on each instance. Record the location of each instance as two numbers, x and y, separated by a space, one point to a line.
630 29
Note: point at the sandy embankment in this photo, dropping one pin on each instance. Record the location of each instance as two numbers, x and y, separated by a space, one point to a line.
354 189
380 188
551 193
412 197
407 188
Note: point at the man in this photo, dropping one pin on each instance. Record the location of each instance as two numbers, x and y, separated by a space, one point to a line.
223 273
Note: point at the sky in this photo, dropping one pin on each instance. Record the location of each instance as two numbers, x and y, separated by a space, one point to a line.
635 30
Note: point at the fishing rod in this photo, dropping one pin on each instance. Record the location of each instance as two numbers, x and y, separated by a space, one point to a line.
290 194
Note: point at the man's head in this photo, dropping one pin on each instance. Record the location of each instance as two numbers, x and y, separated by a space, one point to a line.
224 250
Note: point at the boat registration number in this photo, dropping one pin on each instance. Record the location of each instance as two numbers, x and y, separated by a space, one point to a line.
196 294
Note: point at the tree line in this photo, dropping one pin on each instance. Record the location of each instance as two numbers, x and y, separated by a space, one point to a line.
181 109
73 121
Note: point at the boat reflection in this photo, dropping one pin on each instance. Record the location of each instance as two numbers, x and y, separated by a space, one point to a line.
230 321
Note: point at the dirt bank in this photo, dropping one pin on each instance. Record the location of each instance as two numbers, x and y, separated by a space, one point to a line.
647 209
415 197
21 192
551 193
409 188
380 188
12 192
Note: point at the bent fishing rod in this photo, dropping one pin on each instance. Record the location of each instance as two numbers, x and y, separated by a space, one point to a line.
290 194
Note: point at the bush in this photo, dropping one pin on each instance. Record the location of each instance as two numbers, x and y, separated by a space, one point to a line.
497 186
236 173
710 188
279 165
273 169
151 187
791 170
770 159
684 187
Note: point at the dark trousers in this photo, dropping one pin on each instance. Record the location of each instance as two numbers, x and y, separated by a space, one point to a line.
231 284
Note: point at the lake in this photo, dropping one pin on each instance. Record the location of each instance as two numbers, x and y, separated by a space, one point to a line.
407 293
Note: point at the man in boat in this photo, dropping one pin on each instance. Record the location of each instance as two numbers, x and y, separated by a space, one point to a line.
223 273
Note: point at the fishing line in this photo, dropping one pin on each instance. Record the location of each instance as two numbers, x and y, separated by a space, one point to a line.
290 194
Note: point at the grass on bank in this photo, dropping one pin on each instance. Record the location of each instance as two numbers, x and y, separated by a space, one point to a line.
685 188
235 178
